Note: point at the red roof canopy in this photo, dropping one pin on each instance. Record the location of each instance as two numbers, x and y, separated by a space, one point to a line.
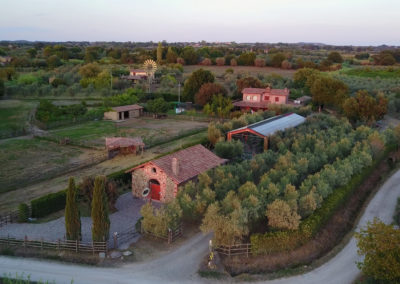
127 108
122 142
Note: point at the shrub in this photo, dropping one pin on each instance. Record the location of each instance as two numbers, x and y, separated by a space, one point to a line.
23 212
48 203
229 149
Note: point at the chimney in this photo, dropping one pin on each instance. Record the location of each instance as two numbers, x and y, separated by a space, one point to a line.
268 89
175 166
286 90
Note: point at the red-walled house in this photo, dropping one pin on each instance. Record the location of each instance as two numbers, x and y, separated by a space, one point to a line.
163 176
258 98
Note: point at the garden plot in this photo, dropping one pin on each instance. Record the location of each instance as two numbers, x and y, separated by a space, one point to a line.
152 131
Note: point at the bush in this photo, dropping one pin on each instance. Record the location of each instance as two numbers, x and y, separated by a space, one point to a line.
48 203
229 149
23 213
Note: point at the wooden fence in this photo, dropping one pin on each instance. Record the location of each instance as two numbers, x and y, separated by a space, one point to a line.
11 217
123 237
76 246
240 249
14 181
171 236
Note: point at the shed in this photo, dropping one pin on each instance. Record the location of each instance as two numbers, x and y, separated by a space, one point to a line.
255 136
162 177
302 100
123 145
124 112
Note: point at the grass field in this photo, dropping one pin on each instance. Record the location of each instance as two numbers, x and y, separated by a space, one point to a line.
26 158
385 73
151 130
14 117
250 70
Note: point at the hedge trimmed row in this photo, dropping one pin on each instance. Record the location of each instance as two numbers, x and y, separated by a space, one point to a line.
279 241
54 202
48 203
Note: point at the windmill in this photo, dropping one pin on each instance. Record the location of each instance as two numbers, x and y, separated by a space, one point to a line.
150 67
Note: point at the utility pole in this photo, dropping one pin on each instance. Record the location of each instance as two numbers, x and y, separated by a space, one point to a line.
179 92
111 78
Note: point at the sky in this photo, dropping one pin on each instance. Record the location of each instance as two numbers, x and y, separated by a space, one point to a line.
338 22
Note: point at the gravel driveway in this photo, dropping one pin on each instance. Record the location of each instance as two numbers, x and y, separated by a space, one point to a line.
125 218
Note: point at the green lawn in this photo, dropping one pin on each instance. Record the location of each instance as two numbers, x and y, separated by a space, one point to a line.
14 117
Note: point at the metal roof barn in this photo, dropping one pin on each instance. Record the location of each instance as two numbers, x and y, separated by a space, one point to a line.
255 136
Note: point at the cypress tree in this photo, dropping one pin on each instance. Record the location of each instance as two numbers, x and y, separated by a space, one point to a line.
159 53
72 216
100 219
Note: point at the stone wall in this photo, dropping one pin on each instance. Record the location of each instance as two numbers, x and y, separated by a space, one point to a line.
142 176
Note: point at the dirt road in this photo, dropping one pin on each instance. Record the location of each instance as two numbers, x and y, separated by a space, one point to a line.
180 266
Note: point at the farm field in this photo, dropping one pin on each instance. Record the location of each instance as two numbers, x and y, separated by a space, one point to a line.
151 130
14 117
23 159
10 200
250 70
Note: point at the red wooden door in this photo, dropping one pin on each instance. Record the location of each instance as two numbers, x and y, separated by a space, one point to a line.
155 191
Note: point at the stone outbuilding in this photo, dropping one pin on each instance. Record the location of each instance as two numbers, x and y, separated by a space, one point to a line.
123 145
124 112
159 179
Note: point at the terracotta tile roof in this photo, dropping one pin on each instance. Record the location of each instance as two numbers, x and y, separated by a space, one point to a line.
253 91
192 162
126 108
274 92
121 142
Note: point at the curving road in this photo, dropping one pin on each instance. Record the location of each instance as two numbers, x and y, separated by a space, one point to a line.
181 265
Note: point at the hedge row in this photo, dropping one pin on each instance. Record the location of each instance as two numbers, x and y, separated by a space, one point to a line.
48 203
280 241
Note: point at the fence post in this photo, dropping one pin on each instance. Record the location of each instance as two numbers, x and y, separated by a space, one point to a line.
169 236
92 247
25 240
115 237
229 251
247 250
41 244
76 250
58 244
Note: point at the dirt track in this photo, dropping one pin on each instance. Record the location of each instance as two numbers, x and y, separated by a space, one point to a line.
180 266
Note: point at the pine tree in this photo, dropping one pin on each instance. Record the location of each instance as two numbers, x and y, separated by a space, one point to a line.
72 216
101 221
159 53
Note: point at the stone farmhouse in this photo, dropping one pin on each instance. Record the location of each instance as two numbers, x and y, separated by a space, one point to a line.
258 98
159 179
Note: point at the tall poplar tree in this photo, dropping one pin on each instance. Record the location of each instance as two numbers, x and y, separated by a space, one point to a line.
72 215
100 219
